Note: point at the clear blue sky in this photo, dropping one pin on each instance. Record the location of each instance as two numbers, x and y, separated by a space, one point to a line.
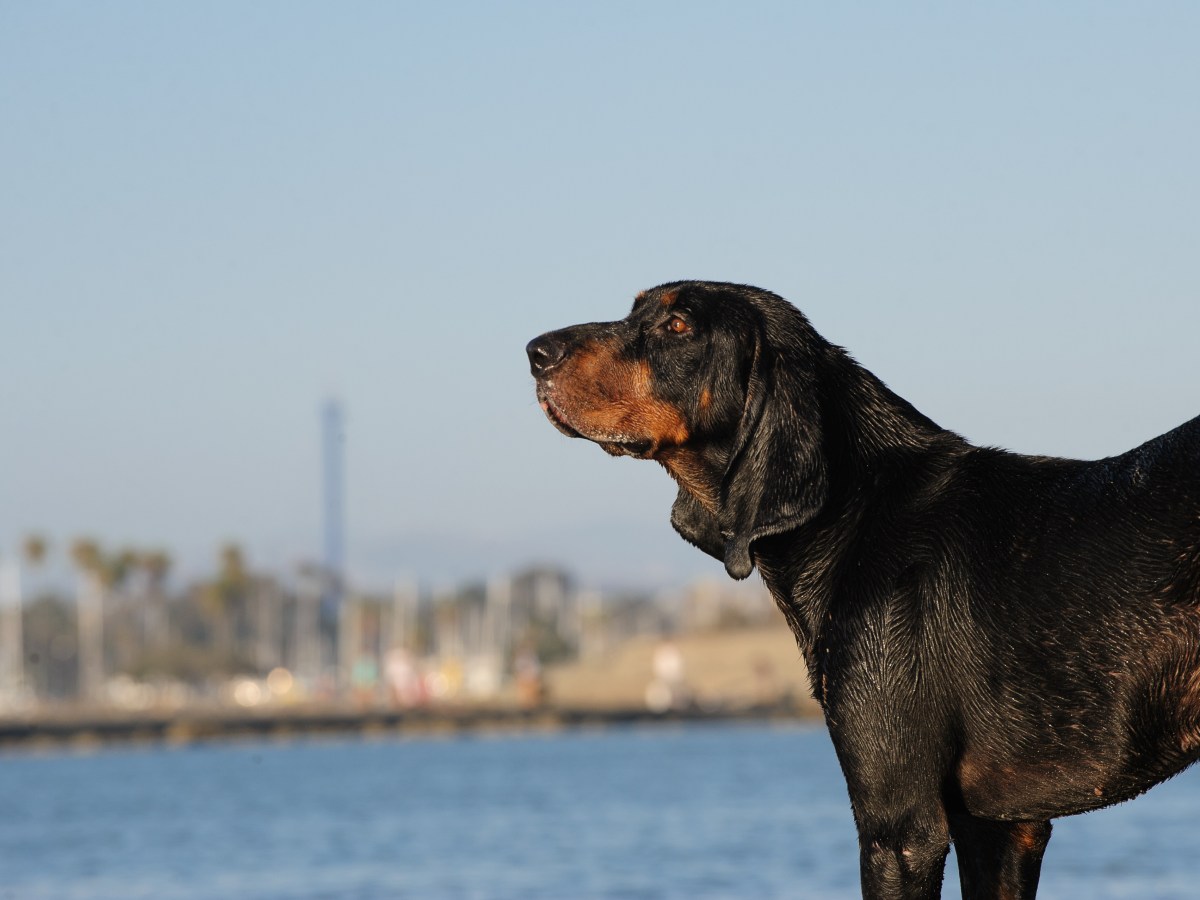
213 215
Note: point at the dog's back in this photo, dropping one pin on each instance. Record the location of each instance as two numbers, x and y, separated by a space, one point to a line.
1076 654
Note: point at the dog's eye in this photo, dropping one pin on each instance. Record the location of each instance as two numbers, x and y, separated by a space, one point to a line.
676 325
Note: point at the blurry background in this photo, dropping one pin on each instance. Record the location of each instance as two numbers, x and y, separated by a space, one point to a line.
232 232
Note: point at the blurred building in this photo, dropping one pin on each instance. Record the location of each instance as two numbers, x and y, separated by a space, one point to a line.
128 637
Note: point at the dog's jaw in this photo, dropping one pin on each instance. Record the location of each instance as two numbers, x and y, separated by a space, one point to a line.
614 444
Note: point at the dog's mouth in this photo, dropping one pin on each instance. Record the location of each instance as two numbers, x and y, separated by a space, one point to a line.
556 417
636 449
614 445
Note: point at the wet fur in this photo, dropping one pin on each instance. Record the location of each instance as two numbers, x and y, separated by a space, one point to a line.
996 639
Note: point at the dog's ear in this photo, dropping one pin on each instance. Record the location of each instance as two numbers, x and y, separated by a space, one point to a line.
776 479
776 476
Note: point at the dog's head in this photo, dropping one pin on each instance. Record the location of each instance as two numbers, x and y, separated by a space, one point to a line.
718 382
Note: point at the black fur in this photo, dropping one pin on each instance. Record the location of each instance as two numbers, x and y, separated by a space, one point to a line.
996 639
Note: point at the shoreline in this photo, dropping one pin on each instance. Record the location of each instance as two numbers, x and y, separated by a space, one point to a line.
175 728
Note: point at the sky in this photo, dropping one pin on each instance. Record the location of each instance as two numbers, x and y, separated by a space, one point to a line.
215 216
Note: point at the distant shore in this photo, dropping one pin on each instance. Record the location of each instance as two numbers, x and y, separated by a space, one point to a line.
181 728
731 675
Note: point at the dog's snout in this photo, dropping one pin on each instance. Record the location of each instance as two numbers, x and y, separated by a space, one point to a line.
545 353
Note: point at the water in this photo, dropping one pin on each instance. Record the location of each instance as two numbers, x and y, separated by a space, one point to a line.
701 812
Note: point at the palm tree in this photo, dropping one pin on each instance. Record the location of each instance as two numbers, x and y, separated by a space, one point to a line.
224 598
33 548
156 564
121 625
89 562
85 553
120 566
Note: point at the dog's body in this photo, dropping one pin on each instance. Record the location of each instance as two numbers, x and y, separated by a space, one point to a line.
996 639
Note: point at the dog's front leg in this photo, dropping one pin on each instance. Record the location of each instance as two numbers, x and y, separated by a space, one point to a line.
902 851
998 859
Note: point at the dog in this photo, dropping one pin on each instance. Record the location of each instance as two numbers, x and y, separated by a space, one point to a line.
995 639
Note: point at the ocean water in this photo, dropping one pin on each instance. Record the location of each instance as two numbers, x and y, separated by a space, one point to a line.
688 812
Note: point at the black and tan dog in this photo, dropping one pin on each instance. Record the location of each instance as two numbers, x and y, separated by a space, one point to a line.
996 639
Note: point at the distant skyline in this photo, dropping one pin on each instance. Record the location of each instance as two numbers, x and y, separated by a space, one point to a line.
214 217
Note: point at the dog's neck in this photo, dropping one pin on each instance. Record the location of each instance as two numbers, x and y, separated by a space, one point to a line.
879 439
868 424
698 470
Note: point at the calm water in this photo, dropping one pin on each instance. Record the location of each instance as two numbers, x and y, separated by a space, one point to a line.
754 812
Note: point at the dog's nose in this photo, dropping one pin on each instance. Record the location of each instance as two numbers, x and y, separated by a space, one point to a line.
544 354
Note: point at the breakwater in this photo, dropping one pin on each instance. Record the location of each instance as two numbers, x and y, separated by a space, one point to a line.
83 729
